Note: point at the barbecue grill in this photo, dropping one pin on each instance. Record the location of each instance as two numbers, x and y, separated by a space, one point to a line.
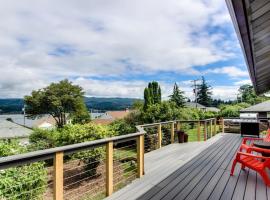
249 124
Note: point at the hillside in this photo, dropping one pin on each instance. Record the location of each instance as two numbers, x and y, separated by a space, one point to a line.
15 105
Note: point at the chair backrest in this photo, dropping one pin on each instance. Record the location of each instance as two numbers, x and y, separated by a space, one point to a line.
267 137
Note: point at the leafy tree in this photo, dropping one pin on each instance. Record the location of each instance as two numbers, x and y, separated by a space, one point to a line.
137 105
204 93
81 114
58 100
232 110
178 96
247 94
152 94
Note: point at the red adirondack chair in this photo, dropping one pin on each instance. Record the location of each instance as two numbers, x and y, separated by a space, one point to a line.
255 162
246 146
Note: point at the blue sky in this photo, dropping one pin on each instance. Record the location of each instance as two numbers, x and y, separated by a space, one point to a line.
114 48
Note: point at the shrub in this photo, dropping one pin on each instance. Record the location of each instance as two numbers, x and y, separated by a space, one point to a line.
25 182
122 127
72 134
232 110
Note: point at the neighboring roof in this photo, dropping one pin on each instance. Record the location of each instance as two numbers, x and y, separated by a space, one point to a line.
96 115
11 130
194 105
113 115
261 107
48 119
212 109
19 119
251 20
102 121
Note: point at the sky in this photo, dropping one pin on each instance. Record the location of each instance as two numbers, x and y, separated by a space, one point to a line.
114 48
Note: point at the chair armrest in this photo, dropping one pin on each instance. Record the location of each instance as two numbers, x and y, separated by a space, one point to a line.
260 150
252 155
245 139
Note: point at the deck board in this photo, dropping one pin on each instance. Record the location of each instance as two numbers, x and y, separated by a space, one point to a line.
205 176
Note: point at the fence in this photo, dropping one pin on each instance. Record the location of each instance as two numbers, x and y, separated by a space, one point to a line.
92 170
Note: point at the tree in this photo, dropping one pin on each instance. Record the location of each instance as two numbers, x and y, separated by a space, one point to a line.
152 94
178 96
81 114
247 94
204 93
58 100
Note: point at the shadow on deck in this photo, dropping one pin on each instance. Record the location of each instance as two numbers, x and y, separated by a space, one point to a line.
199 170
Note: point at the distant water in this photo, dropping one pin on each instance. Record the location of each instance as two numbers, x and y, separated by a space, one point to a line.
19 118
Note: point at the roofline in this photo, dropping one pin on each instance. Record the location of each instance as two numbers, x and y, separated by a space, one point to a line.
241 24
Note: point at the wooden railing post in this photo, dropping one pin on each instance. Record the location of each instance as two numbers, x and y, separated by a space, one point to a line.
159 136
222 125
205 130
140 156
178 126
172 133
215 126
211 128
109 168
199 131
58 187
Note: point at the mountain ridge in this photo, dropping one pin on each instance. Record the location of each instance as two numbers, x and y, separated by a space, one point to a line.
15 105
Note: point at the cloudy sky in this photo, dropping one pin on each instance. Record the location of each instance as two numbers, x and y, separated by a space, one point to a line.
114 48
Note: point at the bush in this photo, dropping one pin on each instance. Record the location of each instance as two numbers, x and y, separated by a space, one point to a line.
122 127
72 134
43 139
26 182
232 110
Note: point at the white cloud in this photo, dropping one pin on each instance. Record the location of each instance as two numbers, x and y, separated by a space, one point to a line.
231 71
134 89
44 41
225 92
243 82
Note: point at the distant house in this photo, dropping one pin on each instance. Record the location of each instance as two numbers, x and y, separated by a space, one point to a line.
195 105
110 116
201 107
212 109
10 130
47 122
262 109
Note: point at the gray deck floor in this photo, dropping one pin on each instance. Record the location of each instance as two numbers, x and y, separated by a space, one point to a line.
196 171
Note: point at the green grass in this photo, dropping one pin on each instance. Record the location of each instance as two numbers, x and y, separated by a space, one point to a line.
192 133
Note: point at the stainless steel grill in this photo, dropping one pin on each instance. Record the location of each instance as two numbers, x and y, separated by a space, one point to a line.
249 124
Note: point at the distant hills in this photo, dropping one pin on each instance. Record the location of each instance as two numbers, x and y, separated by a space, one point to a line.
96 103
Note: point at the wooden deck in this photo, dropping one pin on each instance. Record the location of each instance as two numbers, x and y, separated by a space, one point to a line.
205 176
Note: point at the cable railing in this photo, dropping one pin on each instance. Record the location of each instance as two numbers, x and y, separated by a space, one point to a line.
95 169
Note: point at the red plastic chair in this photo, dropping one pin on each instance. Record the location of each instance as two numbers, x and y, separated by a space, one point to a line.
256 162
245 146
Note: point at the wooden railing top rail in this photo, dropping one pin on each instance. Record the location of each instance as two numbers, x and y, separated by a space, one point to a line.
174 121
41 155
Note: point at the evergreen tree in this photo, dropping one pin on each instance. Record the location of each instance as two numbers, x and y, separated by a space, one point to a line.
159 95
152 94
204 93
147 98
178 96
